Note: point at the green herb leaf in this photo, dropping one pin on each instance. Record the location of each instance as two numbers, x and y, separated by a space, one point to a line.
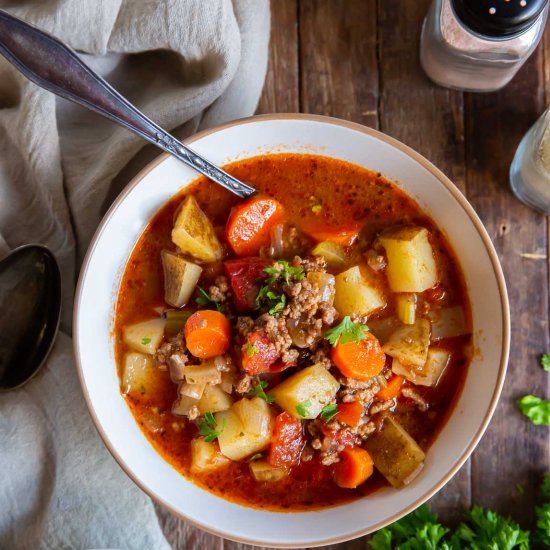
303 408
520 489
285 272
329 412
543 524
250 349
274 301
259 391
536 409
208 426
145 341
346 331
487 529
316 208
204 300
257 456
545 362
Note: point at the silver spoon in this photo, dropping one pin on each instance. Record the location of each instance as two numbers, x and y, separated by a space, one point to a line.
30 307
54 66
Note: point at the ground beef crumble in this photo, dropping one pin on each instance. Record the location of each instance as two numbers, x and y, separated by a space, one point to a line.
220 290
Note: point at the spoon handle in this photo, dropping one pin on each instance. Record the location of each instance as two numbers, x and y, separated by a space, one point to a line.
54 66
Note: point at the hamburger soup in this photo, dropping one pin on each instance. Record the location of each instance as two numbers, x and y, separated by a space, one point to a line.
297 349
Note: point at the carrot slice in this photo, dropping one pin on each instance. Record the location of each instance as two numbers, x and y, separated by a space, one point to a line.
392 390
343 236
355 467
207 333
360 360
249 224
350 413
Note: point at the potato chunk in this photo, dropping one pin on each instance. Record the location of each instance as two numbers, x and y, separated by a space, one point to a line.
206 457
355 295
194 234
144 337
309 390
448 322
427 375
411 263
409 343
180 278
139 374
333 253
395 453
244 434
214 399
261 470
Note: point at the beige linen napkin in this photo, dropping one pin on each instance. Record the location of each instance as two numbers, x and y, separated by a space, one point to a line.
188 64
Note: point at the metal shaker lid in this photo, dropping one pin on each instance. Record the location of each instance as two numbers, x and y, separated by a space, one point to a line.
498 18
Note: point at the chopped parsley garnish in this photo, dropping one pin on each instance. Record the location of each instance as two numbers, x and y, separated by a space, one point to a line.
257 456
536 409
483 529
204 300
545 362
274 301
345 332
285 272
250 349
316 208
145 341
208 427
329 412
303 408
259 391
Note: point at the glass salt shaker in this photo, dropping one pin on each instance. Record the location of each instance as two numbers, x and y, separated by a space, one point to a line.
530 169
479 45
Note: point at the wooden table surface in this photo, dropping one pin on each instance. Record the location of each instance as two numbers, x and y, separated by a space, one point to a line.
358 60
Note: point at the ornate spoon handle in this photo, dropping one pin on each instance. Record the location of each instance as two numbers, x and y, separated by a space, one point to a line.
54 66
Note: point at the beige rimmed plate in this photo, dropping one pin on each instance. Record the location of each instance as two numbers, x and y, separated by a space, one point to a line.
100 279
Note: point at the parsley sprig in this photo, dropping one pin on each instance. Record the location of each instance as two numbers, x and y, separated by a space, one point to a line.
204 300
285 272
346 331
259 391
536 409
303 408
483 529
274 301
250 349
208 426
329 412
145 341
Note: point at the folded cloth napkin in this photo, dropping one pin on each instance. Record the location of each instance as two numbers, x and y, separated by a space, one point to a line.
188 64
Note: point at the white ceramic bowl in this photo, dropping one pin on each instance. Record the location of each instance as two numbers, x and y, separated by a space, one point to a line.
100 279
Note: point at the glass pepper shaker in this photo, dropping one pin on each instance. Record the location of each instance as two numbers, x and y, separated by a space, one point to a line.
530 169
479 45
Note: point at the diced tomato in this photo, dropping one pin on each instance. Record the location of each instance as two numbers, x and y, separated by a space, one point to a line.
258 353
287 443
249 224
343 235
243 277
350 413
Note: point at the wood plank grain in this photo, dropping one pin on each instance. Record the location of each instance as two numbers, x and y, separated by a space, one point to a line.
338 59
281 88
513 451
429 119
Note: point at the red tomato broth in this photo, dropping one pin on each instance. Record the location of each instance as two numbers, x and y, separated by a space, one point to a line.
346 192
